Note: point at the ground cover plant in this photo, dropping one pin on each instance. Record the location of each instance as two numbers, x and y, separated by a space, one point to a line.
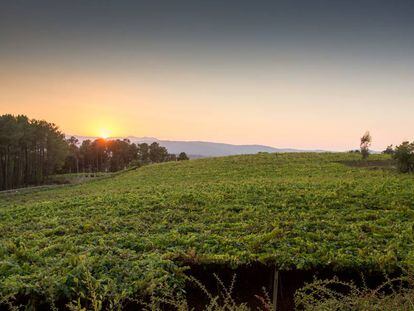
133 234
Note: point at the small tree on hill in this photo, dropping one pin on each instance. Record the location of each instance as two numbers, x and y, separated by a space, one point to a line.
143 153
182 156
404 155
365 144
389 150
157 153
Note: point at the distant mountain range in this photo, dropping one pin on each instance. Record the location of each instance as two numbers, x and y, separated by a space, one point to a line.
199 149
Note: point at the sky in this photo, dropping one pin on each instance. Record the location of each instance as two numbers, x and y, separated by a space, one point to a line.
303 74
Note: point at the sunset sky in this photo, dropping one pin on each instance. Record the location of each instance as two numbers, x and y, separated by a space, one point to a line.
302 74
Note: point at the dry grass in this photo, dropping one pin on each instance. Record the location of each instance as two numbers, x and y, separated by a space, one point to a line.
224 301
395 294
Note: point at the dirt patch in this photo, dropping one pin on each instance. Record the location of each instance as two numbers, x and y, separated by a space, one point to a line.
372 164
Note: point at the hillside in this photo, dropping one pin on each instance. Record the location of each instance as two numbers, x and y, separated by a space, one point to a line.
204 149
134 232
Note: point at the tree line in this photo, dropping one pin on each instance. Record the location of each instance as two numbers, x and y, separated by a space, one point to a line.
103 155
31 150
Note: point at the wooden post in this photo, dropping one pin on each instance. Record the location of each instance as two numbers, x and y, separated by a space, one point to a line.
275 288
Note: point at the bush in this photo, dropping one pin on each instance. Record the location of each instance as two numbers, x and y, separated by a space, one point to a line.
404 155
395 294
182 156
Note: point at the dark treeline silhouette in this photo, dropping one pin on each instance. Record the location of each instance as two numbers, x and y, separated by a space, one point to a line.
31 150
103 155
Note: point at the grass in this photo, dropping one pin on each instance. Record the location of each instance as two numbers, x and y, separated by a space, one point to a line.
58 180
75 178
134 233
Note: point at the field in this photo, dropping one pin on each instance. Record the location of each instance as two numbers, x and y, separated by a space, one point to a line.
133 234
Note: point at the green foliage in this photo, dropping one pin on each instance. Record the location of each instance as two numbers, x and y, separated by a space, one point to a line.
157 154
404 155
137 230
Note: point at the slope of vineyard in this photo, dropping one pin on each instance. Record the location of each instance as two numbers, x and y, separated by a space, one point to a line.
134 232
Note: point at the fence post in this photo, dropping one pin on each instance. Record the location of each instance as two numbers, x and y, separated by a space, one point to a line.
275 288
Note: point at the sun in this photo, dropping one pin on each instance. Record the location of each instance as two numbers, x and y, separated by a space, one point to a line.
104 134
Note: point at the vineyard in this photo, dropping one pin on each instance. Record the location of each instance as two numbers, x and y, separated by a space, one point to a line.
135 233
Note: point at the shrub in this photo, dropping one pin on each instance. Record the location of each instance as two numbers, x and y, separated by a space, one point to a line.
404 155
395 294
182 156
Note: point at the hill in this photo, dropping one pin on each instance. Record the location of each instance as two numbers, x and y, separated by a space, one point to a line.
198 149
133 233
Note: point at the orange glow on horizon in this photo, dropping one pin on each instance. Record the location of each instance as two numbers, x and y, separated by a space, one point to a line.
221 108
